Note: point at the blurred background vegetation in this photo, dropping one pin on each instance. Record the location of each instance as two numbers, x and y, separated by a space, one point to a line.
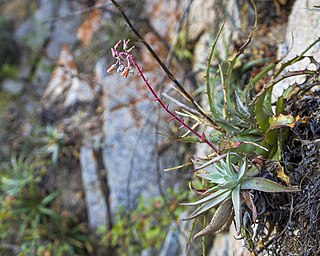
57 102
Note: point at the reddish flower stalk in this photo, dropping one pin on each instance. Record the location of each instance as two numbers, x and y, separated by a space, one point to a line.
125 70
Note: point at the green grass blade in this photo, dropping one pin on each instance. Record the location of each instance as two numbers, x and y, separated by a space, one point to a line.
295 59
210 92
190 234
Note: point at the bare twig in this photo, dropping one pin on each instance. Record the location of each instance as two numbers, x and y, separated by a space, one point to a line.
282 232
216 159
180 104
170 56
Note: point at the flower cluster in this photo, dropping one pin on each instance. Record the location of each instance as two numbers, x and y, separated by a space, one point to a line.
125 63
123 59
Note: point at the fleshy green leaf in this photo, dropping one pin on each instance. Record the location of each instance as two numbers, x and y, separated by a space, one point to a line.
241 109
210 190
262 184
210 176
236 201
227 126
210 91
207 206
207 198
228 166
219 218
221 170
280 105
282 121
228 184
262 108
243 169
50 197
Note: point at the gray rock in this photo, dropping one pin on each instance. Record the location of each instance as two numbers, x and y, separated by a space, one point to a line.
209 16
96 207
37 28
65 29
66 83
171 245
79 91
220 245
302 30
64 90
129 153
52 25
225 244
12 86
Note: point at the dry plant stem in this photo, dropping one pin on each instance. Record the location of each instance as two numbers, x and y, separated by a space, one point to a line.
281 233
163 66
174 116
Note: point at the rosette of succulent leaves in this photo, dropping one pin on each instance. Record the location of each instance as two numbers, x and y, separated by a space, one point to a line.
227 179
249 127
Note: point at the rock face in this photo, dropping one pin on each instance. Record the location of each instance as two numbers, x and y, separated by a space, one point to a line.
51 26
131 151
171 245
302 30
72 104
206 18
132 154
97 210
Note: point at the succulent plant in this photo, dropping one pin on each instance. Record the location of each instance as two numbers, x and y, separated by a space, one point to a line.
237 126
229 178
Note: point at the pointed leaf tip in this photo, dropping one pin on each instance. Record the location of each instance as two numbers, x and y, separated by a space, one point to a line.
265 185
219 218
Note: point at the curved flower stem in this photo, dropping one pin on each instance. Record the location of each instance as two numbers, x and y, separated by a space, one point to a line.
164 67
166 108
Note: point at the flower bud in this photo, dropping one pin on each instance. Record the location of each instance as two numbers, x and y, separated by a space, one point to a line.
125 72
117 45
111 68
113 51
125 44
130 50
120 68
